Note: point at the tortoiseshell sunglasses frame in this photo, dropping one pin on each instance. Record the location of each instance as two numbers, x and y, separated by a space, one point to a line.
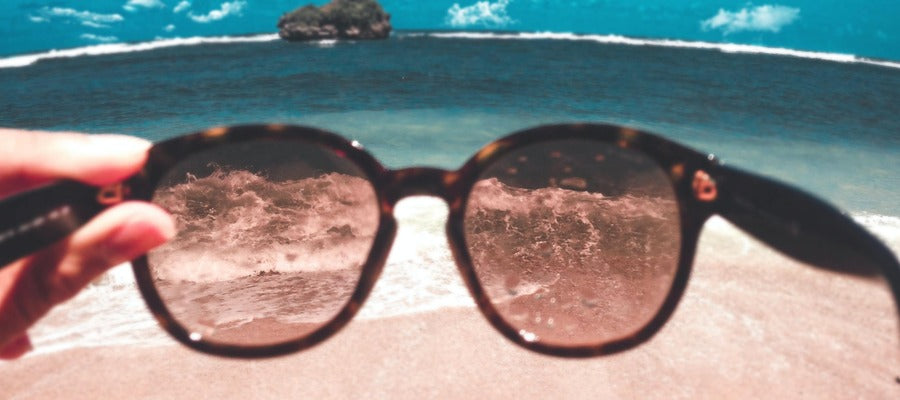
787 219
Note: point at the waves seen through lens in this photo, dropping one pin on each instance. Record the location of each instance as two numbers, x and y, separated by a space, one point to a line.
268 249
575 242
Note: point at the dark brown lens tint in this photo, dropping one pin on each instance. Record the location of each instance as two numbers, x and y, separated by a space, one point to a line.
272 237
575 242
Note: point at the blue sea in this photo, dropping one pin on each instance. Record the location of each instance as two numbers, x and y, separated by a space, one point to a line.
865 28
825 122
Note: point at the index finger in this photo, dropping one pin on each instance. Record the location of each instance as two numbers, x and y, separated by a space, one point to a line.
29 158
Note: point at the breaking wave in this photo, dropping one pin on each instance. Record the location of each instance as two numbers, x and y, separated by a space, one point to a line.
572 265
234 224
118 48
685 44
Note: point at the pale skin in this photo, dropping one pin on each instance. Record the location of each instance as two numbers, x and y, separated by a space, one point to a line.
33 285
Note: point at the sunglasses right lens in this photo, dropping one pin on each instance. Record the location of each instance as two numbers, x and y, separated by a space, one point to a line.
272 238
575 242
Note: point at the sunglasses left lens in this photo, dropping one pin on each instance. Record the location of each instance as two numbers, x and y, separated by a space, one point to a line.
272 238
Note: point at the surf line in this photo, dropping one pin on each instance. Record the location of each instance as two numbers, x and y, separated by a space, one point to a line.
118 48
672 43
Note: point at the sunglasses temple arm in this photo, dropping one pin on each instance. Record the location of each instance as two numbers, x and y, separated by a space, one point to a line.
803 226
38 218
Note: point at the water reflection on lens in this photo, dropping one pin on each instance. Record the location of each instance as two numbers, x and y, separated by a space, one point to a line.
271 240
575 242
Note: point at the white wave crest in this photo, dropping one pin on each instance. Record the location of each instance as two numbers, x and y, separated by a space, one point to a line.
623 40
117 48
885 227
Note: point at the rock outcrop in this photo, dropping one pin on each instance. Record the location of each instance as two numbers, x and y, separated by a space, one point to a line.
339 19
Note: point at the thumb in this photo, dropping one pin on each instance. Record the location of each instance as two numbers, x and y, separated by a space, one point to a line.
32 286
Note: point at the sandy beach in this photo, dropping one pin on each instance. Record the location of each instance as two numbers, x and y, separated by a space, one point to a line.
759 326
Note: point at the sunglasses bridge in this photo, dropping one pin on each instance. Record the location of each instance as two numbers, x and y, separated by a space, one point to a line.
419 181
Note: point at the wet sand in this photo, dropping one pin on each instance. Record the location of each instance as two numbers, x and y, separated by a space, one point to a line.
752 324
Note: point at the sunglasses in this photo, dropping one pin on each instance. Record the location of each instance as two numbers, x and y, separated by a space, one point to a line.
574 240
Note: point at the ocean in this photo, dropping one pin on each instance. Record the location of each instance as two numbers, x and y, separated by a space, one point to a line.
827 123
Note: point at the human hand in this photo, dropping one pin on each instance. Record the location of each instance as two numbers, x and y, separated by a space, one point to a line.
31 286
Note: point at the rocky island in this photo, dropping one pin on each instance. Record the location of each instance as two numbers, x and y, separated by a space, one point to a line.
339 19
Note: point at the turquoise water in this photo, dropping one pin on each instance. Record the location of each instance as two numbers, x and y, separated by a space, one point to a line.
434 99
867 28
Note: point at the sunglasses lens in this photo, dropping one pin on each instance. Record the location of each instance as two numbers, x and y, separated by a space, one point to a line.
272 237
575 242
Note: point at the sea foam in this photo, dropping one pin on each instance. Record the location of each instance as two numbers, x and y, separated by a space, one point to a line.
623 40
118 48
115 48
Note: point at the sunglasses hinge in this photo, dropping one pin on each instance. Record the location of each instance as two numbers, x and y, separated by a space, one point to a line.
112 194
704 186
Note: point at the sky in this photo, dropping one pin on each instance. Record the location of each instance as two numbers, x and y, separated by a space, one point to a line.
865 28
